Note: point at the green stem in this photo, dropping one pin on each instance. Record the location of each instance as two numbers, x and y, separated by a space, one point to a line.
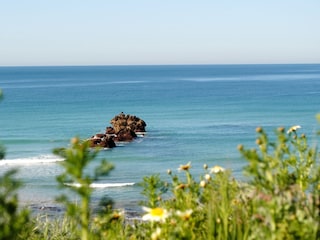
84 219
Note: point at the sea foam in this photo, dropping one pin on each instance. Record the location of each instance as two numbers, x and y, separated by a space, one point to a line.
32 160
102 185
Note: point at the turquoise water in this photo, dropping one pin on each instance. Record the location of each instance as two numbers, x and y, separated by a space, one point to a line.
193 113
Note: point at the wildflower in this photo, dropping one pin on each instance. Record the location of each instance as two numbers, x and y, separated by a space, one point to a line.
74 140
293 129
259 130
207 177
203 183
117 215
258 141
155 214
156 235
281 129
173 222
186 215
181 186
217 169
205 166
240 147
235 202
185 167
169 172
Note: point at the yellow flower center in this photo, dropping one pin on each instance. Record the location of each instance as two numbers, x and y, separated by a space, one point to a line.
157 212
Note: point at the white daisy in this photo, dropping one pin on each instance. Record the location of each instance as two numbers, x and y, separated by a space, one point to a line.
217 169
185 167
207 177
293 129
185 215
155 214
203 183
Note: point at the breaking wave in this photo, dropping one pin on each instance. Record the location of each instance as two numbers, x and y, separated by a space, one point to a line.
32 160
102 185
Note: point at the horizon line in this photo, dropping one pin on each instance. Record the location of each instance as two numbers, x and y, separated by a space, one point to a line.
137 65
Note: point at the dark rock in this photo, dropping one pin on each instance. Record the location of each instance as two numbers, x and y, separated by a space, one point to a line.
102 140
124 129
110 130
128 123
125 135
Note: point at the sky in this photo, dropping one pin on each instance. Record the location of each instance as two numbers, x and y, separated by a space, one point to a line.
147 32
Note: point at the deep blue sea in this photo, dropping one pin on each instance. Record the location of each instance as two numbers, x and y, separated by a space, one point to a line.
196 113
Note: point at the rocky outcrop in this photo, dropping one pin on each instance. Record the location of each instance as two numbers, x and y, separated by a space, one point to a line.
125 128
102 140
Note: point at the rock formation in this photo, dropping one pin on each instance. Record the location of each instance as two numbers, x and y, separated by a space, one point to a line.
125 128
102 140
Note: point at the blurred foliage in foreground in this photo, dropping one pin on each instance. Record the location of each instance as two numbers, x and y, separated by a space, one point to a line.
2 149
280 199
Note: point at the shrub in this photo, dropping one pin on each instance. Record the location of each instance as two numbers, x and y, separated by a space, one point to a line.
14 223
2 149
279 201
284 178
77 158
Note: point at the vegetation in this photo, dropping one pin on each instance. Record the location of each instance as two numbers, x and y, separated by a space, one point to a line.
279 200
2 149
14 224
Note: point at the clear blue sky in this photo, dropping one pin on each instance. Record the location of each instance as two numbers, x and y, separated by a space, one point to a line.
103 32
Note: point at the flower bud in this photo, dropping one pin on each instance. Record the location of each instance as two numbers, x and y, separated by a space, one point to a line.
259 129
185 167
258 141
203 183
240 147
181 186
74 141
207 177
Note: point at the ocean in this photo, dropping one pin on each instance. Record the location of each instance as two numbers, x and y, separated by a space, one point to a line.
194 113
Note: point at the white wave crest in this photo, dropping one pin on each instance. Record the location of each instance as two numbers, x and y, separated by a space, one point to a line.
31 160
102 185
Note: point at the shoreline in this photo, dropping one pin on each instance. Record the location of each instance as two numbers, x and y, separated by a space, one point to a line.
57 211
